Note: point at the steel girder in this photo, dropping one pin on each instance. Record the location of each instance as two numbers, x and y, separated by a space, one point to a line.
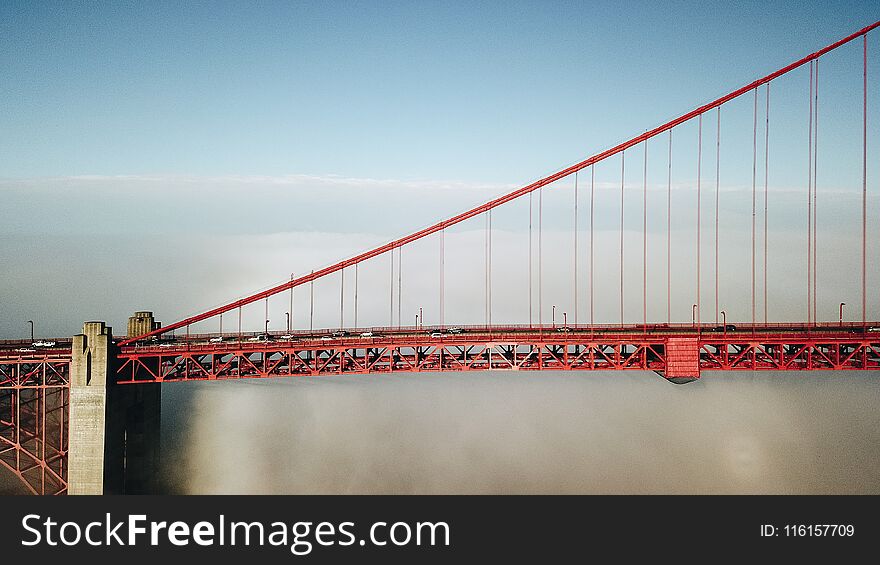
34 412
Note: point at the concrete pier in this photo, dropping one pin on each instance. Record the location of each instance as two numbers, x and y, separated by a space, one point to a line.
114 429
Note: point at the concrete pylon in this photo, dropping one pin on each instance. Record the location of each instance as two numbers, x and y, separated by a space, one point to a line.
114 429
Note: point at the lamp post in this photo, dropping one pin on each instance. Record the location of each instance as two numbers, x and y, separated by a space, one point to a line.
565 319
724 322
288 321
842 304
267 328
553 317
31 322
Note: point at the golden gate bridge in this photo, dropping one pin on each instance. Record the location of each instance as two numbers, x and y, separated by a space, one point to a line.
48 389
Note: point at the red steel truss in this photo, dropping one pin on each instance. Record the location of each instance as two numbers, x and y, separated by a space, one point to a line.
34 412
675 353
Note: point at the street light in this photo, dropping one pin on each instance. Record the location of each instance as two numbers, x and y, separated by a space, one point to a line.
288 321
31 322
554 316
565 319
267 327
842 304
724 321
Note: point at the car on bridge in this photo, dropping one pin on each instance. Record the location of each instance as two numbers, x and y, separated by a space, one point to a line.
41 343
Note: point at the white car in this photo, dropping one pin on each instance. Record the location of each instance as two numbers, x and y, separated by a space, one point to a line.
44 344
326 338
26 350
366 334
218 339
437 334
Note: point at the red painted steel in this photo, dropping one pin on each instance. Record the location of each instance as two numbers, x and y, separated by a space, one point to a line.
35 386
507 197
675 351
682 358
34 412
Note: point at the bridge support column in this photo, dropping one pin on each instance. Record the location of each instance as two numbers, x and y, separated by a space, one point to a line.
114 429
682 359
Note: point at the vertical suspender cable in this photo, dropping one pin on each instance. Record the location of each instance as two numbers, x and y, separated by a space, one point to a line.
575 248
816 199
645 241
530 259
754 198
540 259
489 270
864 175
810 206
400 286
717 199
442 277
486 270
669 235
341 298
766 186
622 177
699 208
356 295
391 290
291 323
311 305
592 216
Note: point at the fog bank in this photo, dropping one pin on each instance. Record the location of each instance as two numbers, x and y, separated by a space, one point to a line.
516 433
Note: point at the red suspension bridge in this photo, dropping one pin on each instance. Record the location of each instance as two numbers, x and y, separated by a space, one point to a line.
37 383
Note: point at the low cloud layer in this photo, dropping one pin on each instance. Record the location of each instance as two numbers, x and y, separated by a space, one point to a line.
517 433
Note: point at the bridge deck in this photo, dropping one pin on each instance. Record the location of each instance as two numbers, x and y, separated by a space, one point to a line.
765 347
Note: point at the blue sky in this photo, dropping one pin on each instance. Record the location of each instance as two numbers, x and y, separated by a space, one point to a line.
492 92
213 148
